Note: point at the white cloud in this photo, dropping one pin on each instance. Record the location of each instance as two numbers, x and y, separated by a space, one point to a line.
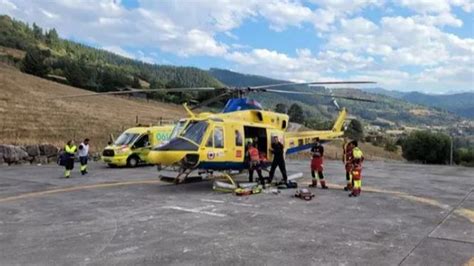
444 19
118 50
7 5
427 6
282 14
349 44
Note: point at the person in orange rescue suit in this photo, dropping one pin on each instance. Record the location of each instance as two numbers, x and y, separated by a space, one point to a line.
347 160
357 159
317 152
69 152
254 162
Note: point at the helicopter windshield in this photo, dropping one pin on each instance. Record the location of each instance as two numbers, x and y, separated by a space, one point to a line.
177 129
194 131
126 139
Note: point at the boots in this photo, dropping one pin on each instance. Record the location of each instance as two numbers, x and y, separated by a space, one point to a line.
355 192
348 187
323 184
314 182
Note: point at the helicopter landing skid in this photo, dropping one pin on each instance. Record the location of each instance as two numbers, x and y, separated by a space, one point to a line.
184 177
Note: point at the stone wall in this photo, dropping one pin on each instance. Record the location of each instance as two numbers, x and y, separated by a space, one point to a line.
29 154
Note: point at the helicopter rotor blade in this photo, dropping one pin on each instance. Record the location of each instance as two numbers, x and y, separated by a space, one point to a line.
137 91
310 83
212 100
320 94
287 92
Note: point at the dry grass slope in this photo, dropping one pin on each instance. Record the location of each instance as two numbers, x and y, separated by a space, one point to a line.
29 115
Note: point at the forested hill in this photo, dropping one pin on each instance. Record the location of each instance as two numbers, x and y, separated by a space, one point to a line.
49 56
386 111
241 80
459 103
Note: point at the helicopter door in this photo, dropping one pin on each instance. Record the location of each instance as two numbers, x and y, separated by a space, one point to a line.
215 145
142 147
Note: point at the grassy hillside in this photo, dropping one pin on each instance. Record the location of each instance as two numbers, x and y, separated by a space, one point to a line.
29 115
393 110
90 68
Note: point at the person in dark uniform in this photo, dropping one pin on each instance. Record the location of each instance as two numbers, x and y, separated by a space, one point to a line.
69 152
278 151
317 152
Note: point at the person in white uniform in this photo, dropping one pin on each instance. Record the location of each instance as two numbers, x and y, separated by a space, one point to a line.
84 155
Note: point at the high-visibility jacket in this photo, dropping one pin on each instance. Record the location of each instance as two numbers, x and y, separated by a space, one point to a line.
70 150
357 153
254 154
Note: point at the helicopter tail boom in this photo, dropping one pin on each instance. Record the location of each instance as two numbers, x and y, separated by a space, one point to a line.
300 141
341 118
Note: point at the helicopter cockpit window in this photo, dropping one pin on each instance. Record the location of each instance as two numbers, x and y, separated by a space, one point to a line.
178 128
238 138
218 137
195 131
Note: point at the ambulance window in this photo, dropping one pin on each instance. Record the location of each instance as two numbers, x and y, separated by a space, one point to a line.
141 142
209 140
218 137
238 138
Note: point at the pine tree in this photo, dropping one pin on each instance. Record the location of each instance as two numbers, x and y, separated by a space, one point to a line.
34 62
355 130
52 38
281 108
296 113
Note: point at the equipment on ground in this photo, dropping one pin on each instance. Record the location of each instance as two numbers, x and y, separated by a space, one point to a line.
304 193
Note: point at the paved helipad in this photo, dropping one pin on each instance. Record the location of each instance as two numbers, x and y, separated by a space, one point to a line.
407 214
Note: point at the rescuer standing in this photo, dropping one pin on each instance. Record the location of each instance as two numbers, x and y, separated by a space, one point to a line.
69 152
317 152
254 163
347 160
84 155
278 159
357 159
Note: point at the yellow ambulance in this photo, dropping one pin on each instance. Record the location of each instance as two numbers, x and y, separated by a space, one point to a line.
131 148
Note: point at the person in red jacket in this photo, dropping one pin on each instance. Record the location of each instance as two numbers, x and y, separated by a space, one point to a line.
317 152
254 163
347 160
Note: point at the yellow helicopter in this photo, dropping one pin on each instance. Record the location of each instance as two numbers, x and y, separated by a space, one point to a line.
217 141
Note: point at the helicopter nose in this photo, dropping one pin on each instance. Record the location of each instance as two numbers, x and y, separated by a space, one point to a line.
165 158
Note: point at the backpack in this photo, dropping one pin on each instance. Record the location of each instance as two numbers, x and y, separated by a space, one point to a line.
62 159
289 184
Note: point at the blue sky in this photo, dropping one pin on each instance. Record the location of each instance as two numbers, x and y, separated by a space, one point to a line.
404 45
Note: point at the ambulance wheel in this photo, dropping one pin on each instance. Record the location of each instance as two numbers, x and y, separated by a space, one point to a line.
132 161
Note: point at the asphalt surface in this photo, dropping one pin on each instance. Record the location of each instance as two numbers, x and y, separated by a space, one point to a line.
406 215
